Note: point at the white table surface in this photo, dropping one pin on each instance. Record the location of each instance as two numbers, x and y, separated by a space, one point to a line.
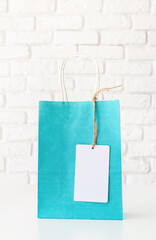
18 219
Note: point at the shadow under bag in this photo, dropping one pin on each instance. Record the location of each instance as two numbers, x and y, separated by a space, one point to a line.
63 125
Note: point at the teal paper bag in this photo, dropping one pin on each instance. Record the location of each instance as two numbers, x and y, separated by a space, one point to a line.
63 125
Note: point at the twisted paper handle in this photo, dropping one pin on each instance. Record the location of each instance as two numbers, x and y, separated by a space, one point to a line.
94 120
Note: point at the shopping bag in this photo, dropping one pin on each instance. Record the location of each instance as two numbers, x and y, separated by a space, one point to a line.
63 125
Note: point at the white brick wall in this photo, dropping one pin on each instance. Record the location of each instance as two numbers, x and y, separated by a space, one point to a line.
34 38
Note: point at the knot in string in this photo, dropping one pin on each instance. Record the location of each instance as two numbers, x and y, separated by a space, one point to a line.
94 120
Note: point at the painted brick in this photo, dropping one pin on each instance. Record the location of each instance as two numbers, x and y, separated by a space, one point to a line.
47 83
152 38
22 6
106 52
22 164
134 6
153 6
20 133
130 100
128 68
154 101
83 82
52 51
24 100
15 149
82 66
140 179
32 116
74 6
140 84
16 23
130 133
123 37
153 165
3 6
140 53
59 22
2 164
1 37
34 67
33 178
4 69
28 37
142 149
35 149
135 166
150 133
0 133
107 22
87 82
14 52
111 80
123 148
12 84
72 37
12 117
2 100
13 178
138 117
147 22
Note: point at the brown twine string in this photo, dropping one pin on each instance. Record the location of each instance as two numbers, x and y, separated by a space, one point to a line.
94 121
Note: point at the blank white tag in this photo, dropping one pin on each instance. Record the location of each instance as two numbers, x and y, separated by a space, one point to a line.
91 173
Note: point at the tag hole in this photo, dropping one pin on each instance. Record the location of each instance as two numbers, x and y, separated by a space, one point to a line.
92 148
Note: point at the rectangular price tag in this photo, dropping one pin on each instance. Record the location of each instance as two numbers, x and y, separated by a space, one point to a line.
91 173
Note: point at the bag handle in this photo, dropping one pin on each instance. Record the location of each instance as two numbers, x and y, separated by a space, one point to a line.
63 89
